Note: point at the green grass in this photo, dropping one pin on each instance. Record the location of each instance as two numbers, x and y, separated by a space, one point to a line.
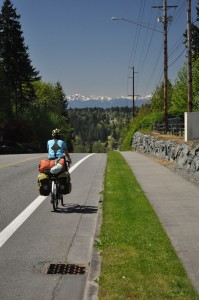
138 260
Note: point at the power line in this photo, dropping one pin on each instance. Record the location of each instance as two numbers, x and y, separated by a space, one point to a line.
177 58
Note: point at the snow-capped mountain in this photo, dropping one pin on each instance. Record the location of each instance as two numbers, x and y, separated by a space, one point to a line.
79 101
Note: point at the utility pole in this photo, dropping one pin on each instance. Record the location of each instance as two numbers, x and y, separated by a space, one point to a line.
133 90
165 20
165 66
189 57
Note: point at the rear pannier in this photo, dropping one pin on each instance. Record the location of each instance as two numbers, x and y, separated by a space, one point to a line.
44 184
64 183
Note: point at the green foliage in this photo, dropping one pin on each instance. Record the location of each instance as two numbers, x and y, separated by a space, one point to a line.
157 100
37 121
195 85
179 97
95 129
143 122
17 73
177 104
50 97
179 100
48 112
99 147
30 108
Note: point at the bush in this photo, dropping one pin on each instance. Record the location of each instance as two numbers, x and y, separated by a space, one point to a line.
143 123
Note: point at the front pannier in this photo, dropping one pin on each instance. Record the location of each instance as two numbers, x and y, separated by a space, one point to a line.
64 183
44 184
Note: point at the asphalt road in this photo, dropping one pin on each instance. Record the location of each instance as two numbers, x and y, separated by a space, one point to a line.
45 237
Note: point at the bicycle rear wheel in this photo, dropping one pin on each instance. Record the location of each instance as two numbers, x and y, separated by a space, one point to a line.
55 201
62 200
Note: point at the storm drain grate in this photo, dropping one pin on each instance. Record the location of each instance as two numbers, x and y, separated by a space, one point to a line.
66 269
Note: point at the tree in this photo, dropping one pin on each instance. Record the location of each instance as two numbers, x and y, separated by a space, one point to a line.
157 100
179 96
50 97
48 112
18 73
5 104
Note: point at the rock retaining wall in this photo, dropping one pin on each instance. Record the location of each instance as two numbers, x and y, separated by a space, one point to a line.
185 156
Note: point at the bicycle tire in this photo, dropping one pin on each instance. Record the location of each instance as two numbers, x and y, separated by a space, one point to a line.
62 200
54 196
54 201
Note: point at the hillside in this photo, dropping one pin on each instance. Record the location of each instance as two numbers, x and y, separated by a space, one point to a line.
95 129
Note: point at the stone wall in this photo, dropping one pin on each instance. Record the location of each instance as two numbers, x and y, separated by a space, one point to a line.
185 156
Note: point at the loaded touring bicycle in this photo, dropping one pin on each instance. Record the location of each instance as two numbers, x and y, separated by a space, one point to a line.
54 180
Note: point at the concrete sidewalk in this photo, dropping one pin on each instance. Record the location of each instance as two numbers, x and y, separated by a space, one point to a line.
176 203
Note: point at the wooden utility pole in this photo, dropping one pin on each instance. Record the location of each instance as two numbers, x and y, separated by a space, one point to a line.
189 57
165 66
133 90
165 22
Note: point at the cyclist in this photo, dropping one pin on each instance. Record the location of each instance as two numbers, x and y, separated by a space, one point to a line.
56 147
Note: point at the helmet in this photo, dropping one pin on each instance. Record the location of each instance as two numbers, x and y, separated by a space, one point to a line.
56 132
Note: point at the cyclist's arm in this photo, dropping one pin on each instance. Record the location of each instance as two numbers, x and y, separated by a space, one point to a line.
67 155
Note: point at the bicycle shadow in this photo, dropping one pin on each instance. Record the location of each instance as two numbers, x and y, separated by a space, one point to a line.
77 209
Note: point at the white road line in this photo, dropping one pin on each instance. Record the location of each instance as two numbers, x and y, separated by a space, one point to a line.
79 162
7 232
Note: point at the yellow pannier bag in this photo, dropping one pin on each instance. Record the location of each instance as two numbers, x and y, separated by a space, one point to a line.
44 184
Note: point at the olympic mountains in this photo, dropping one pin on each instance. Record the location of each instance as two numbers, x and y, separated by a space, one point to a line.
79 101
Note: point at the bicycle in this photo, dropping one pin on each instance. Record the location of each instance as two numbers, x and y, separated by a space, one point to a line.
56 196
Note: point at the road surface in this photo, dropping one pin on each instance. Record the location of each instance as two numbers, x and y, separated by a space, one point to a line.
33 238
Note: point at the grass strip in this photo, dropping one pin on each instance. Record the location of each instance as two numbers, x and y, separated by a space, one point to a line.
138 260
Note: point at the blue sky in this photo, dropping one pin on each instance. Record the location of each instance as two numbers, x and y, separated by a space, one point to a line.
76 42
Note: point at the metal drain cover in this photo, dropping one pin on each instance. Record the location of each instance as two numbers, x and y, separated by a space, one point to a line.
66 269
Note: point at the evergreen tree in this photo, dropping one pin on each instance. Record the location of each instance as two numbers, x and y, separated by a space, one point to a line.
5 103
18 73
